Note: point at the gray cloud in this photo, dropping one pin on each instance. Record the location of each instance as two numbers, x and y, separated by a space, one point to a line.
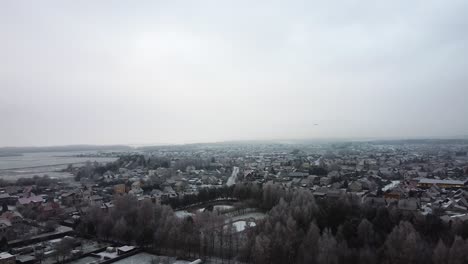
108 72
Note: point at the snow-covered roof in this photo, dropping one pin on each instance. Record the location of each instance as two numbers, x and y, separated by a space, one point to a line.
126 248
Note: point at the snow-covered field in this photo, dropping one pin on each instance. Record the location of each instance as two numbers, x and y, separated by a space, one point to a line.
42 163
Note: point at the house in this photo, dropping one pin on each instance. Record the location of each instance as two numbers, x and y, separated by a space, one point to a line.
334 174
387 172
27 191
7 258
170 192
69 211
396 193
375 201
408 205
334 193
107 206
427 183
462 202
49 209
313 180
69 198
156 193
136 185
337 185
12 216
94 199
13 190
249 174
6 198
5 226
298 174
355 186
31 201
136 189
125 249
325 181
180 186
120 189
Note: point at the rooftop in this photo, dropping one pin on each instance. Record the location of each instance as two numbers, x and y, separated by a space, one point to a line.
6 255
437 181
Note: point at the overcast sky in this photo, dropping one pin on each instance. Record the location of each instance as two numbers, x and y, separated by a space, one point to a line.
134 72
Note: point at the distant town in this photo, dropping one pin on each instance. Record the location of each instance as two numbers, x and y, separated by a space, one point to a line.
243 202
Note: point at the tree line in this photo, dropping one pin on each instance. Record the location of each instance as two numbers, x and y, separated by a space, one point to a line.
94 170
40 181
297 229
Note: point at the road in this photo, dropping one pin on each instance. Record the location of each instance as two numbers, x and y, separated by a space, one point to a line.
233 179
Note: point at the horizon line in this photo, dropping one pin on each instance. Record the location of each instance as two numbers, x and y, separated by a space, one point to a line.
139 145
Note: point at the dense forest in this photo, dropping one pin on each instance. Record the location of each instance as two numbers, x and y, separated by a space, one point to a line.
298 229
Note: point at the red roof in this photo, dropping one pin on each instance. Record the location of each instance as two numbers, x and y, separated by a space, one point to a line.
31 199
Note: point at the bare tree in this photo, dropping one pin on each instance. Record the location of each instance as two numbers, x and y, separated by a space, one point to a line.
366 234
63 249
457 253
310 245
440 254
120 230
367 256
105 228
261 250
328 248
404 245
50 226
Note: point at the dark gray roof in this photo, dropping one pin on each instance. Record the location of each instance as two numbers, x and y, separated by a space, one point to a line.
436 181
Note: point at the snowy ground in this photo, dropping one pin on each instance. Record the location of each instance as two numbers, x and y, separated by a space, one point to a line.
106 254
146 258
85 260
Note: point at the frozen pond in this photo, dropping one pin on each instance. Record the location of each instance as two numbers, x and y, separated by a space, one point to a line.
242 225
182 214
215 208
241 222
222 207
